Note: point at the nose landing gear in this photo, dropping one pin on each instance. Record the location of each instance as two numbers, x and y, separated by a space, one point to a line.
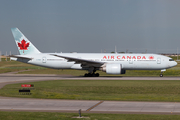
161 75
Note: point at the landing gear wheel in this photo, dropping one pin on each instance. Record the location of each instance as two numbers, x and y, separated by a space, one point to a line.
86 75
97 74
161 75
91 75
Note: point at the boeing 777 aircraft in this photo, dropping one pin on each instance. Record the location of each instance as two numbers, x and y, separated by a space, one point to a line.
109 63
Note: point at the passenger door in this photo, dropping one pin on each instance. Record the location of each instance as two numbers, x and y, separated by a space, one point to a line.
158 60
43 59
130 61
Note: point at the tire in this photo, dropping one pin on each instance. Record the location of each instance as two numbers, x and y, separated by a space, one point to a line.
86 75
97 74
89 75
161 75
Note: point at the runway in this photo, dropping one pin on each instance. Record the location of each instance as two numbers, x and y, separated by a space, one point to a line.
88 106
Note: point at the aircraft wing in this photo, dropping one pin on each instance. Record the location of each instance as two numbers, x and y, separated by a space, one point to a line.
81 61
23 57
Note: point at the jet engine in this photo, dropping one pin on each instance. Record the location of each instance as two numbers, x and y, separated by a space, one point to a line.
113 69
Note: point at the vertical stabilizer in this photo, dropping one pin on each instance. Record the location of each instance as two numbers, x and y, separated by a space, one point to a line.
24 45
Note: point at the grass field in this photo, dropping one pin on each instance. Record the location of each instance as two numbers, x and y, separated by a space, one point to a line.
12 115
100 90
169 72
11 66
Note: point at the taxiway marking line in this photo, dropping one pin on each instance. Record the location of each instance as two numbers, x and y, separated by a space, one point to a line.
94 105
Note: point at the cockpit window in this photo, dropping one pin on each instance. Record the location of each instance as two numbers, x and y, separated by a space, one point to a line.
171 60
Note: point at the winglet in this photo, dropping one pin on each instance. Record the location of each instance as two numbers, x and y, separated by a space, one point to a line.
24 45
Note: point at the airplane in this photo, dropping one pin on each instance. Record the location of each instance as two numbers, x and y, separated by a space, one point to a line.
110 63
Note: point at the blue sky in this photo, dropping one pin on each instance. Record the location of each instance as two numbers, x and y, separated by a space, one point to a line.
92 25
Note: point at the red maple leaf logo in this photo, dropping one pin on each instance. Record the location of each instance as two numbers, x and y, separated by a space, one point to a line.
23 45
151 57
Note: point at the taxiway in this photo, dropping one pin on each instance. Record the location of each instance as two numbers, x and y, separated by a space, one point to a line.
25 104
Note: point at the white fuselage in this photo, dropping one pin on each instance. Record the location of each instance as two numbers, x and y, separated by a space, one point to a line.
128 61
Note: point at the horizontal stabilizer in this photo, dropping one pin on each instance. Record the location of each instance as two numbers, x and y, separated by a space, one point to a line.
22 57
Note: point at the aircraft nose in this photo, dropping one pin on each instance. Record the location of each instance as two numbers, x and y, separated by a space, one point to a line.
174 63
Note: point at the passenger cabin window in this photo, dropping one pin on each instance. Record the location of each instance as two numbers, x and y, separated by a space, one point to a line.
171 60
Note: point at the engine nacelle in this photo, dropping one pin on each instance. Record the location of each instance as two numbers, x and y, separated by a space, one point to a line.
113 69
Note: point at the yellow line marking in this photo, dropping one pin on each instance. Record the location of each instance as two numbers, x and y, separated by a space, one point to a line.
94 105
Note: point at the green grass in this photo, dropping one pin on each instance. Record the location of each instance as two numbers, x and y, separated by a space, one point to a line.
142 90
169 72
11 66
12 115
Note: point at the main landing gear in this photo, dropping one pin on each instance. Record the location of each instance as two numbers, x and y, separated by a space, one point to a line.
91 73
161 75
